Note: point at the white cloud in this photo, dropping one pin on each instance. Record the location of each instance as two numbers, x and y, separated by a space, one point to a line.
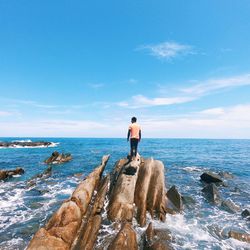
218 84
5 113
96 85
168 50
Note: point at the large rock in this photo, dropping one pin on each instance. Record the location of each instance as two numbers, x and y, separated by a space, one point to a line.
157 239
212 194
210 177
62 229
239 236
121 204
226 175
175 198
5 174
25 144
245 213
125 239
149 191
57 158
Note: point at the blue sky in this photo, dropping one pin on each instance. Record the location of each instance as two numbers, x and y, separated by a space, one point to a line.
84 68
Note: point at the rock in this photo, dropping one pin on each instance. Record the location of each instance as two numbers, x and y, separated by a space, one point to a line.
125 239
46 174
62 228
188 201
121 202
57 158
5 174
226 175
149 191
245 213
210 177
239 236
157 239
175 197
229 206
212 194
25 144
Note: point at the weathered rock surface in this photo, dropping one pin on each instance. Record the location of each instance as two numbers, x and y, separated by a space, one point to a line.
125 239
62 229
25 144
175 198
188 201
157 239
57 158
5 174
212 194
226 175
239 236
149 191
229 206
210 177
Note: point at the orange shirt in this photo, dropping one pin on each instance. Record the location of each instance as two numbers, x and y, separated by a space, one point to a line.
134 130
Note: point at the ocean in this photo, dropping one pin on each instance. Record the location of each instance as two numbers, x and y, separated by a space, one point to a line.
24 208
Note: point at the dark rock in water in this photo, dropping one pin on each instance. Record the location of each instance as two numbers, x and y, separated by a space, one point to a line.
47 173
25 144
209 177
245 213
212 194
5 174
239 236
188 200
229 206
226 175
157 239
175 197
57 158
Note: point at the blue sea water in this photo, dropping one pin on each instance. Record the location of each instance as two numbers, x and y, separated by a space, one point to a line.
24 209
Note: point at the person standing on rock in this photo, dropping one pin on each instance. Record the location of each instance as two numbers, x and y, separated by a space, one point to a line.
134 134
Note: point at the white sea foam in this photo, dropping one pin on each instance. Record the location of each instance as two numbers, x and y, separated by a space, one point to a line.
193 169
21 141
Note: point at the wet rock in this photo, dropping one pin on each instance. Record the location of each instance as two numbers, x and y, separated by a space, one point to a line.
149 191
175 197
212 194
5 174
245 213
239 236
62 228
125 239
188 201
229 206
25 144
157 239
57 158
210 177
226 175
42 176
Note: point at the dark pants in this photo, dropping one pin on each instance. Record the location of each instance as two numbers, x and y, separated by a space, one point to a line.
133 146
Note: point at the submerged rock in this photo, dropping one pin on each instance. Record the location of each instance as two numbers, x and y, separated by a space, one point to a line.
188 200
42 176
5 174
210 177
229 206
125 239
245 213
174 196
212 194
226 175
239 236
57 158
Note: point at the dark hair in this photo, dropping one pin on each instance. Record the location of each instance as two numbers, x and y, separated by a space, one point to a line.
133 119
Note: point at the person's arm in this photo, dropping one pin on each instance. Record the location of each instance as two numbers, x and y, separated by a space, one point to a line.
128 135
139 135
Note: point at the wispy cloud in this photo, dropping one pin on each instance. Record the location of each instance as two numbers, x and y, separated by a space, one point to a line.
218 84
5 113
96 85
168 50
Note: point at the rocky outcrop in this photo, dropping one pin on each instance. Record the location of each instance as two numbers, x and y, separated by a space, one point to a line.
57 158
210 177
62 229
157 239
25 144
174 199
246 213
239 236
125 239
212 194
226 175
149 191
5 174
46 173
229 206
